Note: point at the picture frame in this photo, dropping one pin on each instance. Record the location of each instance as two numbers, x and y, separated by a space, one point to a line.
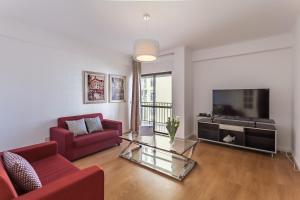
94 87
117 88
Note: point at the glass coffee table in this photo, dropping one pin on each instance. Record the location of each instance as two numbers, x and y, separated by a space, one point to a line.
156 153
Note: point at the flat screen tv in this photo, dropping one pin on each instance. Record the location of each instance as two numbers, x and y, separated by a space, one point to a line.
245 103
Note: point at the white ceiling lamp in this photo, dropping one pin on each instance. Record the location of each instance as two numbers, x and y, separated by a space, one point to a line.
146 50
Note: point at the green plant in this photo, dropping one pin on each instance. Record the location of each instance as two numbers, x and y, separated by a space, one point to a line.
172 126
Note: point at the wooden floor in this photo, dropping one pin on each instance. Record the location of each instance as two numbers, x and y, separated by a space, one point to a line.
221 173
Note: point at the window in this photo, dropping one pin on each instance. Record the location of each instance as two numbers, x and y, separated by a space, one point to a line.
156 100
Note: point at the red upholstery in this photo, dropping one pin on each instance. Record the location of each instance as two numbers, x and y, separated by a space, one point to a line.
7 190
64 139
53 168
72 147
110 124
85 184
92 138
37 151
61 180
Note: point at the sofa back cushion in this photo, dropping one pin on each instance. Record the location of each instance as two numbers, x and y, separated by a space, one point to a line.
93 124
61 122
7 190
77 127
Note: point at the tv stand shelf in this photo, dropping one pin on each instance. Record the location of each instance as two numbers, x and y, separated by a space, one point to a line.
258 135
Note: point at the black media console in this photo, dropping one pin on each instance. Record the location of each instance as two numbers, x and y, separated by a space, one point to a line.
258 135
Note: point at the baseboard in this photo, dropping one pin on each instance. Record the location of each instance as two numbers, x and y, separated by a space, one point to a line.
297 162
284 149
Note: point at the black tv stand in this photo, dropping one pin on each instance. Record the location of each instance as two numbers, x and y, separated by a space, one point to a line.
253 134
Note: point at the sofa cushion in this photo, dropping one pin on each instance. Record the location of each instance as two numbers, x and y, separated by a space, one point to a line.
61 122
21 172
93 124
84 140
7 190
77 127
53 168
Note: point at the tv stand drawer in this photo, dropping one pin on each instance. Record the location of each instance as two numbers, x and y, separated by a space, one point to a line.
208 131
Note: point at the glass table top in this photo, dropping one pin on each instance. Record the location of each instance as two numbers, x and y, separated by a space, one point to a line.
161 142
169 164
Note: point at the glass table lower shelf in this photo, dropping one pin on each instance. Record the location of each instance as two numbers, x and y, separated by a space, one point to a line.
170 164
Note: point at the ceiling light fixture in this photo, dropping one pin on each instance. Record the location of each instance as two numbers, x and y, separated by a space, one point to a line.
146 50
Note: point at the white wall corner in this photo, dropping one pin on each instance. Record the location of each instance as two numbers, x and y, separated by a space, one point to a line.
182 90
188 96
178 89
296 94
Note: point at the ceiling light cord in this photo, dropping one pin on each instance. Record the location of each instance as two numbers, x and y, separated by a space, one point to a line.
146 18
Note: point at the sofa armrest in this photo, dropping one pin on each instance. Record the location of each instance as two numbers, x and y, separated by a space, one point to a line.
111 124
38 151
84 184
64 139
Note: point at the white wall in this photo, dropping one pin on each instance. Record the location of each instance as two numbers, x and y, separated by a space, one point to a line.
296 127
164 63
188 93
178 61
41 80
244 66
178 89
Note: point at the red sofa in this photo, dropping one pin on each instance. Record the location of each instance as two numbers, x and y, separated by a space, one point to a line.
74 147
60 179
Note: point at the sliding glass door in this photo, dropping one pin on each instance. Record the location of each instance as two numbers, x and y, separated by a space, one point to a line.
156 100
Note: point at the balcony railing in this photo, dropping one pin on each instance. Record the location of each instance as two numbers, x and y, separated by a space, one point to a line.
156 115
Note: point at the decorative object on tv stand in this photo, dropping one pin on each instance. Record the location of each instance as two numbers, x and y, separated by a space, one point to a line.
117 87
94 87
172 126
146 50
229 139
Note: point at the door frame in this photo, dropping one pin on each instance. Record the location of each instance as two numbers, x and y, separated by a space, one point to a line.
154 75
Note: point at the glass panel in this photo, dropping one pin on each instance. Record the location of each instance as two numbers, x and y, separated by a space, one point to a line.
156 101
167 163
163 89
161 142
147 93
163 101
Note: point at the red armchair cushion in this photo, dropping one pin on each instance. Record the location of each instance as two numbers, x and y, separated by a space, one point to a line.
62 121
53 168
92 138
85 184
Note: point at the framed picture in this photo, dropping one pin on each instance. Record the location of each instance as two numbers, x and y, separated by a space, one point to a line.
94 87
117 88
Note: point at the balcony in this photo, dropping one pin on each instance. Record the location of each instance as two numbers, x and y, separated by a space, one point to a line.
156 115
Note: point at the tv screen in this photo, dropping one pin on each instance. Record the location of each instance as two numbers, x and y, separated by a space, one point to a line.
248 103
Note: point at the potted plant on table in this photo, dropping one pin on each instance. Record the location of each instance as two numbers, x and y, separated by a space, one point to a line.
172 126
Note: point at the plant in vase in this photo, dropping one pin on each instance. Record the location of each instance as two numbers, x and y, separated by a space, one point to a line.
172 126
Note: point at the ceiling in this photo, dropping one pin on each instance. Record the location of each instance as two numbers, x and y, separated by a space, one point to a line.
117 24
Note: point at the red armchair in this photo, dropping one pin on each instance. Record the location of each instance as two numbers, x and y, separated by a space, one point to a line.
60 179
74 147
